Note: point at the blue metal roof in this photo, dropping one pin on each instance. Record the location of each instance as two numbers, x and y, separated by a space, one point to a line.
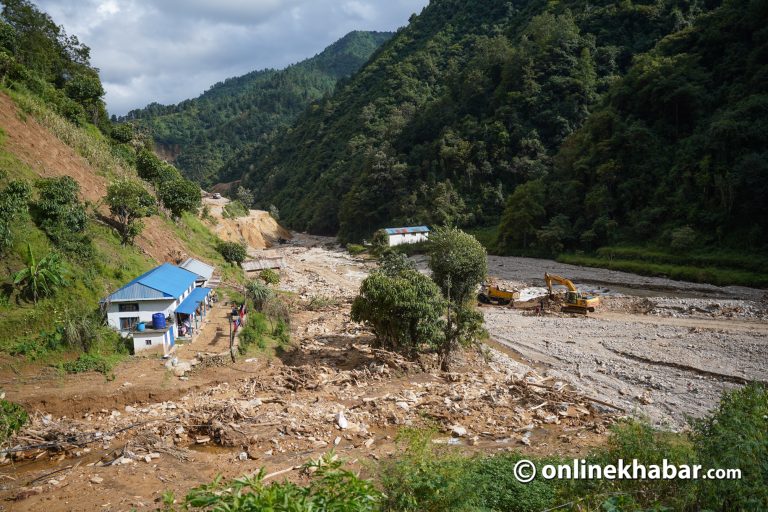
403 231
164 282
196 296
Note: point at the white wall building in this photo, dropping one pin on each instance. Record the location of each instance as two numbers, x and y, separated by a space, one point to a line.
158 292
411 235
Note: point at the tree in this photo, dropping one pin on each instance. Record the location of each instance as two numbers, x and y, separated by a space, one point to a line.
13 204
523 214
180 196
245 196
233 252
403 310
63 217
258 292
129 202
459 264
392 263
40 278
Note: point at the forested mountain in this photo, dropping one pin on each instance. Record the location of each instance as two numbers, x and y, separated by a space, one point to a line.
200 133
471 100
675 154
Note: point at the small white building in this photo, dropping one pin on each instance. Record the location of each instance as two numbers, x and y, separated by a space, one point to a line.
411 235
203 271
145 309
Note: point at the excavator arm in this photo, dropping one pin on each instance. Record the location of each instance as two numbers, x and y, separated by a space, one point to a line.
551 278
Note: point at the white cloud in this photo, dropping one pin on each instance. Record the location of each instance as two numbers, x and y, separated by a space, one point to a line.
170 50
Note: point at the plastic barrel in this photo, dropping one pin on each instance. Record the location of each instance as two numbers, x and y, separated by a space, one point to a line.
158 321
140 326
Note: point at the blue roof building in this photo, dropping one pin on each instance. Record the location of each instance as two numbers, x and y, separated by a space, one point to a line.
409 235
155 307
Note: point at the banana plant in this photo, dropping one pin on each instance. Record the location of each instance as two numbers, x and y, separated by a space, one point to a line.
40 278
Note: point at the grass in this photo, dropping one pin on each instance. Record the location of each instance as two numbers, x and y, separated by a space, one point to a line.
698 274
12 418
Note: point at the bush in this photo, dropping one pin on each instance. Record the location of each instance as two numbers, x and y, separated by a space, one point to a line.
12 418
281 333
179 196
62 216
735 435
682 239
232 252
269 276
320 302
426 478
13 206
355 249
234 209
404 311
392 263
258 292
330 488
89 363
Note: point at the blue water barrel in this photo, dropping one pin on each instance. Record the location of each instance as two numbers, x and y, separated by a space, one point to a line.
140 326
158 321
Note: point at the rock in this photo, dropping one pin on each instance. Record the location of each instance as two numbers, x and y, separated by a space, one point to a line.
179 430
336 441
458 431
341 421
253 452
130 410
96 479
203 440
268 452
369 442
256 402
242 456
147 459
402 405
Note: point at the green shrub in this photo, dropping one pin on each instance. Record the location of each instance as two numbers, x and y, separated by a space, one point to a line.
258 292
282 333
269 276
428 478
735 435
179 196
331 488
320 302
232 252
404 311
89 362
355 249
12 418
234 209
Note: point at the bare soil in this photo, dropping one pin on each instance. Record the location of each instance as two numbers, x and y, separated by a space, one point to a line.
549 384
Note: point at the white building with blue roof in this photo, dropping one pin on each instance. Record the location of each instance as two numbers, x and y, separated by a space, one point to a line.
150 308
409 235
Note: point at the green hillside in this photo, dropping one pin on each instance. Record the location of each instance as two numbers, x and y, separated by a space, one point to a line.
202 132
465 103
627 123
61 246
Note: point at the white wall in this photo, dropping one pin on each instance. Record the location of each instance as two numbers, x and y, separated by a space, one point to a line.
146 309
155 339
407 238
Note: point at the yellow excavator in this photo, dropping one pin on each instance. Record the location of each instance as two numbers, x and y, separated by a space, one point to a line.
575 302
491 293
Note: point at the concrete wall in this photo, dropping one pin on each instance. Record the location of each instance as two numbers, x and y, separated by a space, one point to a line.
407 238
145 341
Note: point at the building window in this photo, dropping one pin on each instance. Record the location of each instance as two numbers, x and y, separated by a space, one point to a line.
128 307
128 323
148 342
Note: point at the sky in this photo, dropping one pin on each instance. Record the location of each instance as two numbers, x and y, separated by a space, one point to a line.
166 51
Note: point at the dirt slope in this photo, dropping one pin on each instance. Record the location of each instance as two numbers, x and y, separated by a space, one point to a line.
258 230
49 157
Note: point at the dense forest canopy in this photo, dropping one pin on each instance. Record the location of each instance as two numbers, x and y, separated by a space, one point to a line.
570 125
39 54
201 133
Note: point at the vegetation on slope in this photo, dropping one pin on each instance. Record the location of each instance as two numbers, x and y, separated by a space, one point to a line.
64 242
202 133
465 103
